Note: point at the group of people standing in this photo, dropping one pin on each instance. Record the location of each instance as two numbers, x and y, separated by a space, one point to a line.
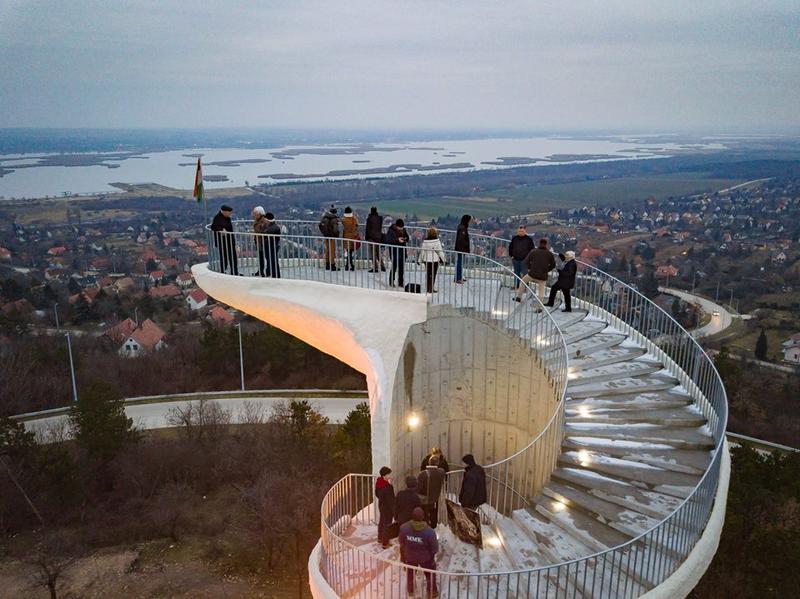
412 515
532 263
267 242
537 263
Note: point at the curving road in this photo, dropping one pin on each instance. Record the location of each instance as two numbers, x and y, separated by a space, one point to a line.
150 413
717 324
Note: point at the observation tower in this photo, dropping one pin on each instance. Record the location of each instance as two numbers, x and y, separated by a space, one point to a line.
602 430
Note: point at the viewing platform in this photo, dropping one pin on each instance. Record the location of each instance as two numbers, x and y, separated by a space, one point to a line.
602 430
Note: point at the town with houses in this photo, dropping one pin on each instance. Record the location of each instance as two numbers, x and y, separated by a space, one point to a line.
129 278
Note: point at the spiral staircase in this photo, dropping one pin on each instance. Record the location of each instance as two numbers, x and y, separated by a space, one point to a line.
630 501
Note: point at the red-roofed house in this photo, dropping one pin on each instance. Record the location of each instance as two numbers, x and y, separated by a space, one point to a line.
668 270
125 284
121 330
5 254
146 338
184 279
219 315
100 263
20 307
165 291
197 299
156 276
57 251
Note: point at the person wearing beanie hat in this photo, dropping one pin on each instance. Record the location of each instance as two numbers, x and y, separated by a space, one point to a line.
374 234
350 232
224 240
406 501
565 282
473 485
397 237
384 491
329 227
418 547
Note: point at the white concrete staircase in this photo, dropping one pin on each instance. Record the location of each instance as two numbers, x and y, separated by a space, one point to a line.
634 448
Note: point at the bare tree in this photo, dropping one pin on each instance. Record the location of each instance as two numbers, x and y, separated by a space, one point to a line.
51 558
201 421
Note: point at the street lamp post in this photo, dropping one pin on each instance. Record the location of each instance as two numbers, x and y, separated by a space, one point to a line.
72 369
241 354
716 297
55 309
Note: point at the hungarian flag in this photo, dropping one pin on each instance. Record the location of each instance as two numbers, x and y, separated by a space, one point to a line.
198 183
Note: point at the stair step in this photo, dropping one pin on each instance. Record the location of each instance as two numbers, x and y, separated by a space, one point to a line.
625 520
519 547
676 484
622 385
594 343
646 400
686 438
583 329
560 546
684 416
611 372
604 357
656 505
564 320
493 558
595 535
689 461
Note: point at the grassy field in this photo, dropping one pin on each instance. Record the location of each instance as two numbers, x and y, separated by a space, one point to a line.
539 198
747 342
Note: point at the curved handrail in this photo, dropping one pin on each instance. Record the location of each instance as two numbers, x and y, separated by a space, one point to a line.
680 529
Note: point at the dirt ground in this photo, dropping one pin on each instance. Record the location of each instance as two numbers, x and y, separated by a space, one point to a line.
154 570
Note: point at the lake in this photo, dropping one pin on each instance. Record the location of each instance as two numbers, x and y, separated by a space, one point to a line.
40 175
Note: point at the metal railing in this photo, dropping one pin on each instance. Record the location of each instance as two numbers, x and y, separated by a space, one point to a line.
623 571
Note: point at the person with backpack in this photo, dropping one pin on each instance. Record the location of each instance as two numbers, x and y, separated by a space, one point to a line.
350 233
462 246
405 501
329 227
418 547
384 492
430 483
432 254
397 238
374 234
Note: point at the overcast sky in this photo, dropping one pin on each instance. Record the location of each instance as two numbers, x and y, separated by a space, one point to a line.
563 65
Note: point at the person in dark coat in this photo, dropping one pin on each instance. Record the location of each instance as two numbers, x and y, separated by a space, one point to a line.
418 547
435 451
519 248
473 486
539 263
222 227
462 245
374 233
406 501
384 491
273 246
260 225
430 483
566 281
329 227
397 237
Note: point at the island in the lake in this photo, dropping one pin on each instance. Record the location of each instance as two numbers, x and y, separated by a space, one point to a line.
383 170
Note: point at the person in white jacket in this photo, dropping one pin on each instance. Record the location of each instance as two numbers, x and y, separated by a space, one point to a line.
432 254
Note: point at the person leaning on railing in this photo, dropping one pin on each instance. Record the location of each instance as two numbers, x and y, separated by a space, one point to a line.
350 233
462 246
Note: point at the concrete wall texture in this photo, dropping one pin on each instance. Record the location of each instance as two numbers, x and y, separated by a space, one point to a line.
476 388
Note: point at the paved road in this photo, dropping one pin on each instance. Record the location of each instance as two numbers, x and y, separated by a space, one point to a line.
717 324
154 415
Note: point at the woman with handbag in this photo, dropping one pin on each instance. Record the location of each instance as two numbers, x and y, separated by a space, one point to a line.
432 254
351 237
